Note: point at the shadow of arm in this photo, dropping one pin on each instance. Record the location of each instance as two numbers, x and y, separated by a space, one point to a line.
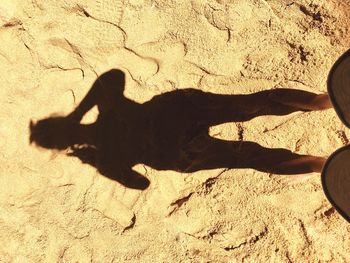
86 154
128 178
104 93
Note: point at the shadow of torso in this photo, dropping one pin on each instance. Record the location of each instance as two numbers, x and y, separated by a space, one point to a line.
157 133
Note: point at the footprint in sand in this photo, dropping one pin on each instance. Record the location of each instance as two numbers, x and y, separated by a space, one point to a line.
107 204
95 25
109 14
95 33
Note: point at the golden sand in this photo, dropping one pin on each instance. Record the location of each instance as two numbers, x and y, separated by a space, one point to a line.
53 208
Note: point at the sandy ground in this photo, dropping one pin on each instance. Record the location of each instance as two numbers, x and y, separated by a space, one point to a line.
53 208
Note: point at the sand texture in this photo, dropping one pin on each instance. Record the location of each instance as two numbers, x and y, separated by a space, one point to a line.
54 208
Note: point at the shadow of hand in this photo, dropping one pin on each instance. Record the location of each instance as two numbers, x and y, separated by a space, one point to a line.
87 154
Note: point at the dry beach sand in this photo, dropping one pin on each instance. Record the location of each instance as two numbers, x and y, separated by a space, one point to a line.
53 208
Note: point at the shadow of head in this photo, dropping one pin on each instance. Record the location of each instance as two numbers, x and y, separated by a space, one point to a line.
53 133
61 133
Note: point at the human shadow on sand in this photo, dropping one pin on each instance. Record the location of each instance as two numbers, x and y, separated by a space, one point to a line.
168 132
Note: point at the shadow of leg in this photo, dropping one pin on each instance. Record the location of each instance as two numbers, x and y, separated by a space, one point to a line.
216 109
312 163
300 99
225 154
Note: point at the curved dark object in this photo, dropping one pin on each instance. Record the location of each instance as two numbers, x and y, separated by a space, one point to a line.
336 171
338 85
336 181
